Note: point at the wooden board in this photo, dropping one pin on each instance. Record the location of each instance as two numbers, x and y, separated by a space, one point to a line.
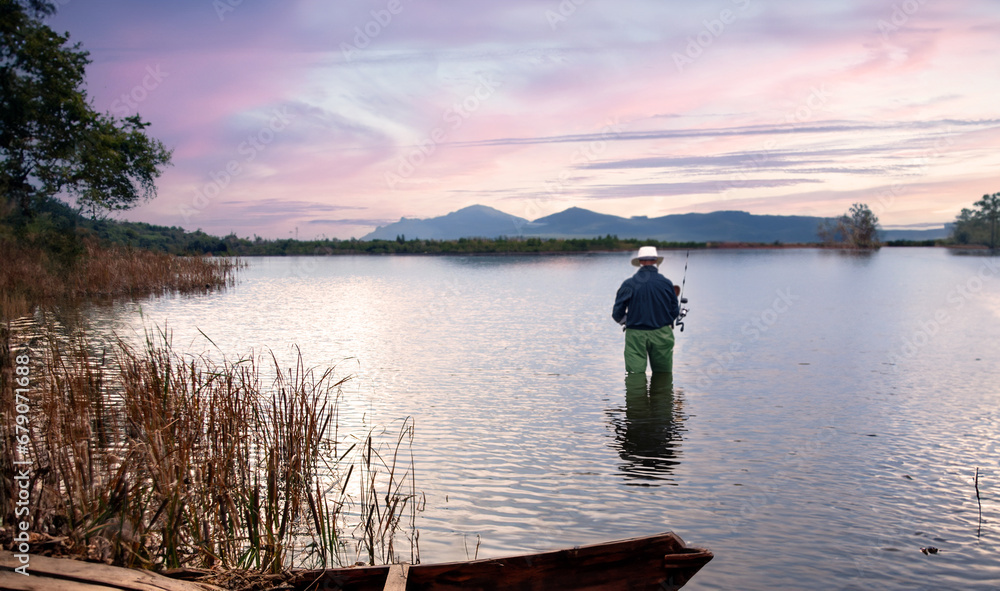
62 573
12 581
396 579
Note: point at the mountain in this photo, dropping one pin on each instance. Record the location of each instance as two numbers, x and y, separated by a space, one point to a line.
574 222
479 221
475 221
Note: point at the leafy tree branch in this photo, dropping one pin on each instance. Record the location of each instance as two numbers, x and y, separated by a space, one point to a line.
52 141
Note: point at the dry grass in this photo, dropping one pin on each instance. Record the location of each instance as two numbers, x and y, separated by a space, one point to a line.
143 457
117 271
30 277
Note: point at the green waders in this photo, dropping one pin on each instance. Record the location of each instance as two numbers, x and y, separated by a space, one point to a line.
657 344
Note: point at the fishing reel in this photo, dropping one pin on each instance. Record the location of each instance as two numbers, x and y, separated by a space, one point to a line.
679 322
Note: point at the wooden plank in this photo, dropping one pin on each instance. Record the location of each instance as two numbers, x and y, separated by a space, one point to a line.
12 581
396 579
125 579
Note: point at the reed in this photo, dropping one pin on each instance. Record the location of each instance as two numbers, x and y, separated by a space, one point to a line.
979 501
385 501
147 458
117 270
31 275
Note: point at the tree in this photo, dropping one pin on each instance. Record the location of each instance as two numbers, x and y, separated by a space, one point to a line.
989 208
858 228
51 140
965 228
979 226
863 227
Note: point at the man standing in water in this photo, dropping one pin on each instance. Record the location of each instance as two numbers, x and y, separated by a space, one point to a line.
647 305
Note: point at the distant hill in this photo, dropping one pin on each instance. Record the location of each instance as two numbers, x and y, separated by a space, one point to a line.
479 221
474 221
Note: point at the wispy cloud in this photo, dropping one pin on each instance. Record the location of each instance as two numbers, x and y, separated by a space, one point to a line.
692 188
286 207
352 222
745 131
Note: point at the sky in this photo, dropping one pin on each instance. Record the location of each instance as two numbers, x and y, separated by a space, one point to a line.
309 118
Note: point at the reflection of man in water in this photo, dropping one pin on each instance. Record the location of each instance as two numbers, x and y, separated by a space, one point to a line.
647 305
648 437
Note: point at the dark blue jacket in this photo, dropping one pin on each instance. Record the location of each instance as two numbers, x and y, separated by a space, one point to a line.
646 300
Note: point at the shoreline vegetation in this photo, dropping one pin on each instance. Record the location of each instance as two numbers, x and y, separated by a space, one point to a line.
231 472
35 276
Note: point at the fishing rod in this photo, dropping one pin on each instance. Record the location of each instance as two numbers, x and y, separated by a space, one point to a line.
679 322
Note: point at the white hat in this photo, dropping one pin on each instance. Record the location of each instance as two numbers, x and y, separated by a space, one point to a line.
646 253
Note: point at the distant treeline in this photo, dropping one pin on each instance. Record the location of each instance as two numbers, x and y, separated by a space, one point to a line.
916 243
175 240
500 245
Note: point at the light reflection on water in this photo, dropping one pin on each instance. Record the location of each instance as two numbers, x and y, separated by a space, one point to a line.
825 420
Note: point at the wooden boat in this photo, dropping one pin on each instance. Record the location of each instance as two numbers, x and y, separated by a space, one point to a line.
661 562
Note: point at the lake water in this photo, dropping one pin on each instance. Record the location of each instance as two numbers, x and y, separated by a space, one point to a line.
825 419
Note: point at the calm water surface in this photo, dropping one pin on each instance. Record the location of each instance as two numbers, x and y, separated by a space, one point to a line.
824 421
